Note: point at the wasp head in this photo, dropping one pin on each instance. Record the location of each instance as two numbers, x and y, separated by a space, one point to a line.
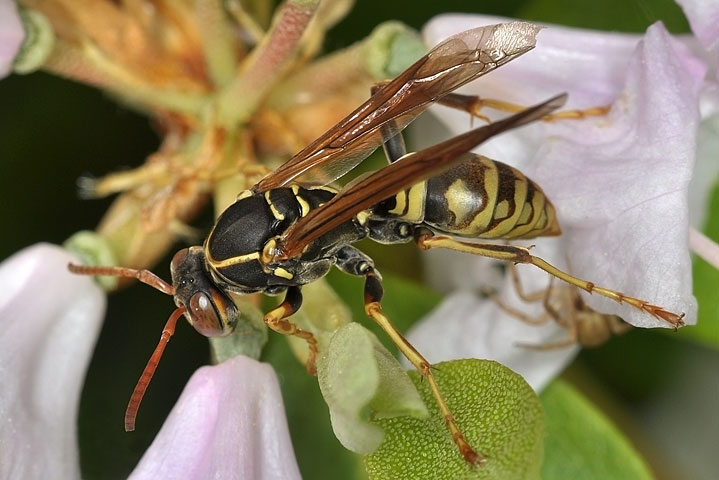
208 309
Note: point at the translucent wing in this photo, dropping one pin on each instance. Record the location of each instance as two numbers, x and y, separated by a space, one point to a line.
398 176
451 64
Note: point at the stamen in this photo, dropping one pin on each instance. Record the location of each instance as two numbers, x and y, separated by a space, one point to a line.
704 247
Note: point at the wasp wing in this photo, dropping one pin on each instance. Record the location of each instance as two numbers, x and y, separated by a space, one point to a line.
398 176
451 64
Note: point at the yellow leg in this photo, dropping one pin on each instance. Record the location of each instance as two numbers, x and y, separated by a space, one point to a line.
515 254
473 104
276 320
373 309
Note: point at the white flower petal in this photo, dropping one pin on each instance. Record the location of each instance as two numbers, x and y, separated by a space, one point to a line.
597 172
11 35
463 326
591 66
229 423
703 16
619 183
620 186
49 321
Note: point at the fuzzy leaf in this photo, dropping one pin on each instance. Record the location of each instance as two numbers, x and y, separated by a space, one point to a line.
581 443
358 375
495 408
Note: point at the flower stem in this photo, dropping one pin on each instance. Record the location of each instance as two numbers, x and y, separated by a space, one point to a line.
261 70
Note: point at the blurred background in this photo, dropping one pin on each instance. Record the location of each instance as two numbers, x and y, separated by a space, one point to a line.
661 389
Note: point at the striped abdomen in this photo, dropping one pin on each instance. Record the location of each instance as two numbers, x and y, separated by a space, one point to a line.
483 198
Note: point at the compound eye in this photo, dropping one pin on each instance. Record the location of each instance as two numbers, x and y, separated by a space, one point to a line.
203 316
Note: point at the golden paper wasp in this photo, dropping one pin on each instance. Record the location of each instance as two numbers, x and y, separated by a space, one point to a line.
291 227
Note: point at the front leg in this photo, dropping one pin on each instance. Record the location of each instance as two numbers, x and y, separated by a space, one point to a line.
276 320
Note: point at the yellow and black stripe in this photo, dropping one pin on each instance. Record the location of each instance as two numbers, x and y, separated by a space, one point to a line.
482 198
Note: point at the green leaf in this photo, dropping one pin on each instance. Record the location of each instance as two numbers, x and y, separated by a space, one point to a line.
496 410
581 443
357 375
706 279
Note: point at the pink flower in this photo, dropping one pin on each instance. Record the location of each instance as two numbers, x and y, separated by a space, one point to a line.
703 16
619 183
49 321
229 421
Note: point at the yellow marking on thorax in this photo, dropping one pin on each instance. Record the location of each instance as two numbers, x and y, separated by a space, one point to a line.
275 213
363 216
228 262
281 272
244 194
304 205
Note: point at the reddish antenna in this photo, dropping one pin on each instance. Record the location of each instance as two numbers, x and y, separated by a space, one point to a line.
148 278
139 392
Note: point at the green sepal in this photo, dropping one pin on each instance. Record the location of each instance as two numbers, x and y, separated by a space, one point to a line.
495 408
38 43
360 379
92 250
581 443
248 338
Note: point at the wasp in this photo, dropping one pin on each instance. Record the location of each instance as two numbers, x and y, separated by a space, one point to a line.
292 226
563 304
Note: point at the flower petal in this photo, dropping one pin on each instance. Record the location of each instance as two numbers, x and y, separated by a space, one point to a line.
596 171
590 65
464 326
229 423
620 185
703 16
11 35
49 321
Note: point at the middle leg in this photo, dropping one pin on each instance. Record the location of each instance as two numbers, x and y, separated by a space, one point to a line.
352 261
